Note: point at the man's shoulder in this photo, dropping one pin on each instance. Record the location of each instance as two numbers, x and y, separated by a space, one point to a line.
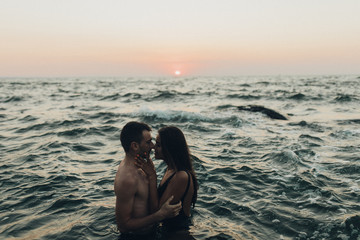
126 177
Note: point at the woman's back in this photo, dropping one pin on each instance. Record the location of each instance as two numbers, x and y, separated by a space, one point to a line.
175 185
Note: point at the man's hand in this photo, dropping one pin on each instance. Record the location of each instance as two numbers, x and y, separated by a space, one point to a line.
169 211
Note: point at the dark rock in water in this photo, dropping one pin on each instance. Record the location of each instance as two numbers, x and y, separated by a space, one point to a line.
269 112
353 223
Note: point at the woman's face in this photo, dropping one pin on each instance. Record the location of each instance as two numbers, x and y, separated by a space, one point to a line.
158 151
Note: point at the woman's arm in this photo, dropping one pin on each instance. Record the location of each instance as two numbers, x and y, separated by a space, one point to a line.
176 188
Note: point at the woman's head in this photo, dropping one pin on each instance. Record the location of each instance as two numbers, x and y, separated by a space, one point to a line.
171 146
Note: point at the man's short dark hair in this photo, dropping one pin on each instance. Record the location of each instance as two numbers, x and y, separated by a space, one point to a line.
132 132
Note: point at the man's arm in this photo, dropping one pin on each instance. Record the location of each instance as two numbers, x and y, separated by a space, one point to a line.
125 194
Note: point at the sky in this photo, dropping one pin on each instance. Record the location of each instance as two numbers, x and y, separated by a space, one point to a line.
55 38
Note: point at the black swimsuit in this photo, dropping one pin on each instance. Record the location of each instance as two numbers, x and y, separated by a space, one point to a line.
181 221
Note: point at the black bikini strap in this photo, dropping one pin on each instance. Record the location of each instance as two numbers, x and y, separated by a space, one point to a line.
169 178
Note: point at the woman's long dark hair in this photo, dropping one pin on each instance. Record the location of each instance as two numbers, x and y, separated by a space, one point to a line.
176 153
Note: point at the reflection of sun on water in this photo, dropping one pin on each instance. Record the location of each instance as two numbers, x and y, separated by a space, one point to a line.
177 73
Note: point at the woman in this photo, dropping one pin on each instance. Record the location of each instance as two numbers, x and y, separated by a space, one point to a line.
179 179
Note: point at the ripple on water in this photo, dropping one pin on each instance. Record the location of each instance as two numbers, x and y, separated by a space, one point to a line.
66 204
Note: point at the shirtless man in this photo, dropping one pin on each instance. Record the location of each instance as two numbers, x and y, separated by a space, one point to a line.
133 214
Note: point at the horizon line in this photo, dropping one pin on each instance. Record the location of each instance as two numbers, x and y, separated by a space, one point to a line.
185 76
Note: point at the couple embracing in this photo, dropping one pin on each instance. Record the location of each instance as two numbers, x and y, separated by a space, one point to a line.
140 204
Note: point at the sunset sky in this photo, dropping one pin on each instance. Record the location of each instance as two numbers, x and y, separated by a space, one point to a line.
194 37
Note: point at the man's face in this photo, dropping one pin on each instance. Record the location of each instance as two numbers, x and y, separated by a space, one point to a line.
146 144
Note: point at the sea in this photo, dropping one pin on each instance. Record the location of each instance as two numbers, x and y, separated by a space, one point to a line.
259 178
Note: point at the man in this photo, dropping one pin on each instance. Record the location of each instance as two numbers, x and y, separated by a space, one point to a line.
132 186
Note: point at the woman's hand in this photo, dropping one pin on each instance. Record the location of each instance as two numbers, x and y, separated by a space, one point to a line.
146 165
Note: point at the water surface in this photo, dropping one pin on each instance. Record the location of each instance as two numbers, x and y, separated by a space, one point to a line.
259 178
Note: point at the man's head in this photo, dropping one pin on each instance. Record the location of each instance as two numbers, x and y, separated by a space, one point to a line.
132 136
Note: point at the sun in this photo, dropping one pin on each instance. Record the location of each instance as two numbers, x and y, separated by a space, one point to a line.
177 73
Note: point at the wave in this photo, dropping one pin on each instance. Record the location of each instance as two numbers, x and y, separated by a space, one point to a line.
311 141
348 229
49 125
286 158
84 131
226 106
342 98
66 204
265 83
112 97
13 99
35 127
133 95
29 118
245 97
349 121
298 96
349 169
155 116
316 127
66 123
164 95
103 115
345 134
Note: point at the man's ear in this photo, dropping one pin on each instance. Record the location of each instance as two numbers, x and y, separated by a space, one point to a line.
134 146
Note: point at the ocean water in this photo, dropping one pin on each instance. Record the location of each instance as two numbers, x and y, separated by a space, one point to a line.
259 178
